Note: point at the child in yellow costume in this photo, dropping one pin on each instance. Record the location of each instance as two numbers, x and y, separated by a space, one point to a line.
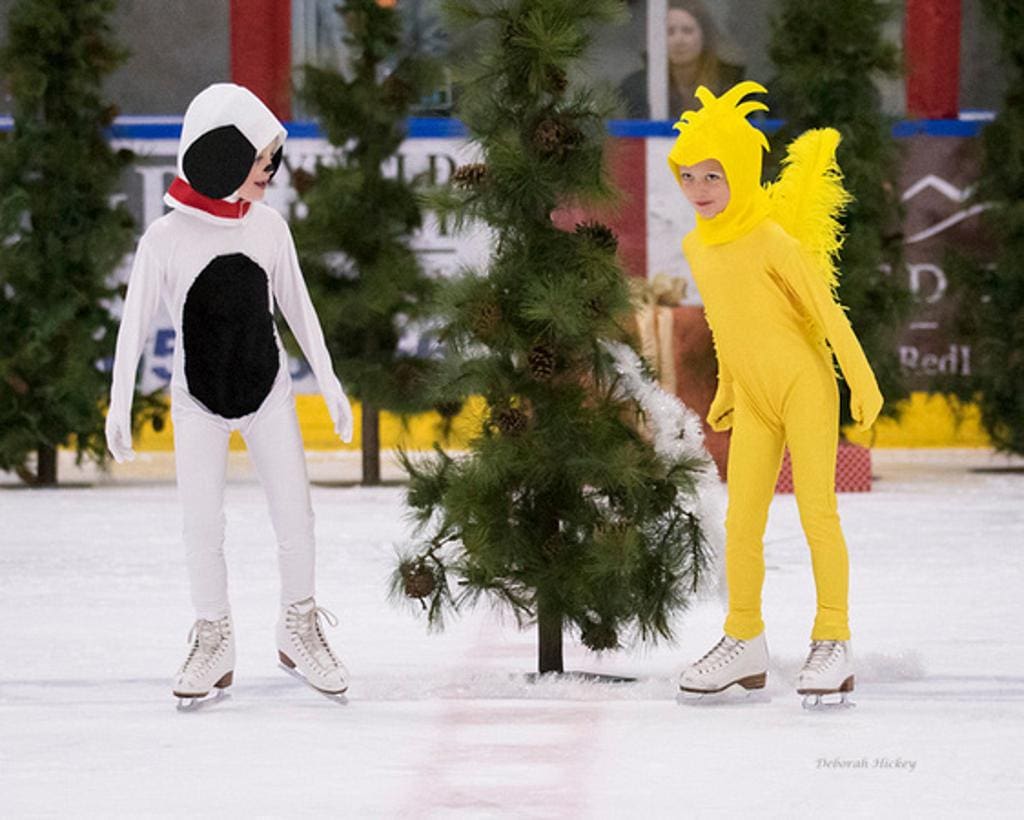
763 260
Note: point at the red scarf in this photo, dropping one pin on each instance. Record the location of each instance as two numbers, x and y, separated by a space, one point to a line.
187 195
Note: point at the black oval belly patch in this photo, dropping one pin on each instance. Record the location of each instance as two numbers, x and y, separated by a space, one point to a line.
231 355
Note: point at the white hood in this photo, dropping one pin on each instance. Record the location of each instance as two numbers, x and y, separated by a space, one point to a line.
224 128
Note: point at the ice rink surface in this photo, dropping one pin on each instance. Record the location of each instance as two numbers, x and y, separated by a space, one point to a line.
95 614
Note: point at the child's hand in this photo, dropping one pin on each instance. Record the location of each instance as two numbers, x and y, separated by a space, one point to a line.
119 438
865 407
721 412
341 414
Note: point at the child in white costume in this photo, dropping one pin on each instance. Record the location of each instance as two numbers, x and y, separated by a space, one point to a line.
219 260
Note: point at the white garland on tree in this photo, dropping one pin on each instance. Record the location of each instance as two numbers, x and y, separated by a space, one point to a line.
677 437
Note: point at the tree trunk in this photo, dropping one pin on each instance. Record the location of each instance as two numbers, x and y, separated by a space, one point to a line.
371 445
549 640
46 468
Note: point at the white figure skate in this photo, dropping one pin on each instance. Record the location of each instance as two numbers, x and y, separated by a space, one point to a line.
827 671
303 650
210 663
730 662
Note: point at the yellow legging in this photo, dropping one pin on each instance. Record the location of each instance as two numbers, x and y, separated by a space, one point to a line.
806 421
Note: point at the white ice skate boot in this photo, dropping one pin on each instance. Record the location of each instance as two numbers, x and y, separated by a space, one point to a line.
301 647
210 663
731 661
828 670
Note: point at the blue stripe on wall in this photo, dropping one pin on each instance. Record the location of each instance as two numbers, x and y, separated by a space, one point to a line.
138 128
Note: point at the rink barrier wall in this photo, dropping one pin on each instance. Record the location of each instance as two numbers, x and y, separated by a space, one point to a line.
928 422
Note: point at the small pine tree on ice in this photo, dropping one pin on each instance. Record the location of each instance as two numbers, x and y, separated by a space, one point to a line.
561 510
991 297
60 239
354 238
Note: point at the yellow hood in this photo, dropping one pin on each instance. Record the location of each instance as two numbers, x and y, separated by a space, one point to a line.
720 130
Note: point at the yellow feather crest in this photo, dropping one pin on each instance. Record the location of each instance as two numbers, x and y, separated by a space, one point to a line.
808 198
725 115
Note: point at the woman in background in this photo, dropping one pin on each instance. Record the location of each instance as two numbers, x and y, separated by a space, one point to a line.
693 60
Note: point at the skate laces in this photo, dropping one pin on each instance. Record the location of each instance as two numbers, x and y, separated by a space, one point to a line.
821 655
308 626
719 652
206 637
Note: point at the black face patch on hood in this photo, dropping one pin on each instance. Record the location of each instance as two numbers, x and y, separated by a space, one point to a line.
219 162
231 354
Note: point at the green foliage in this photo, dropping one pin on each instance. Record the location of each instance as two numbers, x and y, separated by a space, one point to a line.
561 508
827 60
991 296
60 239
354 239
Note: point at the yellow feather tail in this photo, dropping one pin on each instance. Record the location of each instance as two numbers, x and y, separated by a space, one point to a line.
809 197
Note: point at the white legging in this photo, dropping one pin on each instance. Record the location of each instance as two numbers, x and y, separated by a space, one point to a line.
275 446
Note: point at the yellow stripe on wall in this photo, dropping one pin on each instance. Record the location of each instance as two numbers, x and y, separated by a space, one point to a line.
418 432
928 421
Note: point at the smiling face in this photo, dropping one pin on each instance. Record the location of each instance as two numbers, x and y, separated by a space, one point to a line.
705 186
255 186
685 39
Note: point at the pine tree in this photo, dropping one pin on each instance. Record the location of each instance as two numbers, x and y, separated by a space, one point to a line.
827 59
354 238
561 510
991 296
61 239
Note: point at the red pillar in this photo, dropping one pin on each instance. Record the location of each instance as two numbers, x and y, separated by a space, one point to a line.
931 39
261 51
628 164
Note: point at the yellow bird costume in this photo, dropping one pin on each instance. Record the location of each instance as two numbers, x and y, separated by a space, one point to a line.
765 268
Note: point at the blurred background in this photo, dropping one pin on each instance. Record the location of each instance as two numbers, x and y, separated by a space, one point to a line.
936 75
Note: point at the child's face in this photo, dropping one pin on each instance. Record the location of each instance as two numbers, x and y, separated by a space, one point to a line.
255 186
705 186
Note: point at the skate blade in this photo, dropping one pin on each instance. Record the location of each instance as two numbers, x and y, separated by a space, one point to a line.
829 702
734 694
190 704
826 700
334 697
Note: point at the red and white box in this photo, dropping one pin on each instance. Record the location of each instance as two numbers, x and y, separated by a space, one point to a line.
853 470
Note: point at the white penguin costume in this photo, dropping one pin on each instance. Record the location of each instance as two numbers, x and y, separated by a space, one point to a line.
219 263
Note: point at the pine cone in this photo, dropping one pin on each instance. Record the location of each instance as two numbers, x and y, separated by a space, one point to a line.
406 374
541 360
599 235
488 317
552 548
418 579
448 409
557 80
469 176
396 92
599 637
555 138
302 181
511 420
